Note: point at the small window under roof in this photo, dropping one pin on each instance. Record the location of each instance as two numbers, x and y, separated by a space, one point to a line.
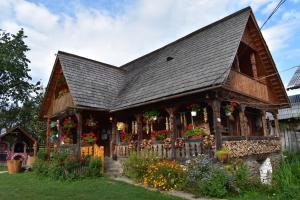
169 58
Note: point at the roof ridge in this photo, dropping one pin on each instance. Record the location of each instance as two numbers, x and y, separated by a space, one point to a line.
248 8
81 57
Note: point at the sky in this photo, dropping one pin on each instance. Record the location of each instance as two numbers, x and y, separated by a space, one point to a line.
118 31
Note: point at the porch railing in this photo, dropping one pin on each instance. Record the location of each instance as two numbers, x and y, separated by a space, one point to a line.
189 149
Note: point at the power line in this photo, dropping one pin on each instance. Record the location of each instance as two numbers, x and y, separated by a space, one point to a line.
263 77
273 12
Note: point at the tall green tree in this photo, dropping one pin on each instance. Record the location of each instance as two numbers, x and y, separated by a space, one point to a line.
19 95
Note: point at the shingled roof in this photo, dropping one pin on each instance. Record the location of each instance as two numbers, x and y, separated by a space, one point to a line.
201 59
198 61
91 83
295 81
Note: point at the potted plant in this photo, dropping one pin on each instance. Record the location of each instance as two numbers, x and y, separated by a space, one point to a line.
14 166
229 108
89 138
194 109
124 137
194 133
151 115
161 134
223 154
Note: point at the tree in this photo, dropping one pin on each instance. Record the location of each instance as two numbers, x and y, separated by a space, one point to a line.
19 96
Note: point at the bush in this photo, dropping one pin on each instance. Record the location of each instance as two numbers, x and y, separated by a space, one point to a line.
286 178
205 177
67 167
216 185
137 164
164 175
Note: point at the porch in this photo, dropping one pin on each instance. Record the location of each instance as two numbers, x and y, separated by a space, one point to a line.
198 124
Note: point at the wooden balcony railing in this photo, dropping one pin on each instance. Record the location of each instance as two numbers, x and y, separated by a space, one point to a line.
247 85
189 149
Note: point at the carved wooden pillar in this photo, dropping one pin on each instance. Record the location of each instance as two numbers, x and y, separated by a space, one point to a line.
139 121
35 148
275 116
48 139
173 128
79 132
59 132
264 123
253 63
243 121
216 106
113 137
237 63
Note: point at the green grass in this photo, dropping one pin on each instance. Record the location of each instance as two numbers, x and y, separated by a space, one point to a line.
28 186
253 195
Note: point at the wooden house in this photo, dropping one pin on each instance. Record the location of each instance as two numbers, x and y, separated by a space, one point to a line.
18 144
210 88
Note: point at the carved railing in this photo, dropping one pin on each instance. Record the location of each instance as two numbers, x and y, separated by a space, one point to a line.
189 149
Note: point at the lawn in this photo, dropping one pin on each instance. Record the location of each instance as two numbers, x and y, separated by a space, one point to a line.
28 186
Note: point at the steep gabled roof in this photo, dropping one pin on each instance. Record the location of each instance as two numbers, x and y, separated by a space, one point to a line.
18 129
201 59
91 83
295 81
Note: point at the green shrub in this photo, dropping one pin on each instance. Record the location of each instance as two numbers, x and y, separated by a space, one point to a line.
286 178
136 165
67 167
205 178
216 185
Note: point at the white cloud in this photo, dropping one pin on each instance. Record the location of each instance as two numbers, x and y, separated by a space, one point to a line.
279 35
140 28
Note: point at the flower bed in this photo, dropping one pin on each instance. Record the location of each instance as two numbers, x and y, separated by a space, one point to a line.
64 166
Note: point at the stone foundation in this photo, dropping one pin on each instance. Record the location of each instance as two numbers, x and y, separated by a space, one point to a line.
254 163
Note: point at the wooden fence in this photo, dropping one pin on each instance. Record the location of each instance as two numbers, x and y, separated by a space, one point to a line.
95 151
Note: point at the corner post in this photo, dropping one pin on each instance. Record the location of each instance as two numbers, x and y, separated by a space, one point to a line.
139 121
47 139
79 132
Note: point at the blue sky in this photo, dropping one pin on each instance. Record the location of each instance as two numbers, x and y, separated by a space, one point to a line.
119 31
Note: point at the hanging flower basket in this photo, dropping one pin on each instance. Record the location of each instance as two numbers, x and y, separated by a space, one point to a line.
151 115
69 123
194 109
91 122
229 108
228 114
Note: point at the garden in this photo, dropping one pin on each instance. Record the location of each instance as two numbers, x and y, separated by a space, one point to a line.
204 176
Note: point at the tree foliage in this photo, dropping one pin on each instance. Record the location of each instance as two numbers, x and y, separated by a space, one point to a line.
19 95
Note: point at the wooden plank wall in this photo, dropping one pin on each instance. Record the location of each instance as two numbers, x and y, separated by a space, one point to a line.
60 104
248 86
